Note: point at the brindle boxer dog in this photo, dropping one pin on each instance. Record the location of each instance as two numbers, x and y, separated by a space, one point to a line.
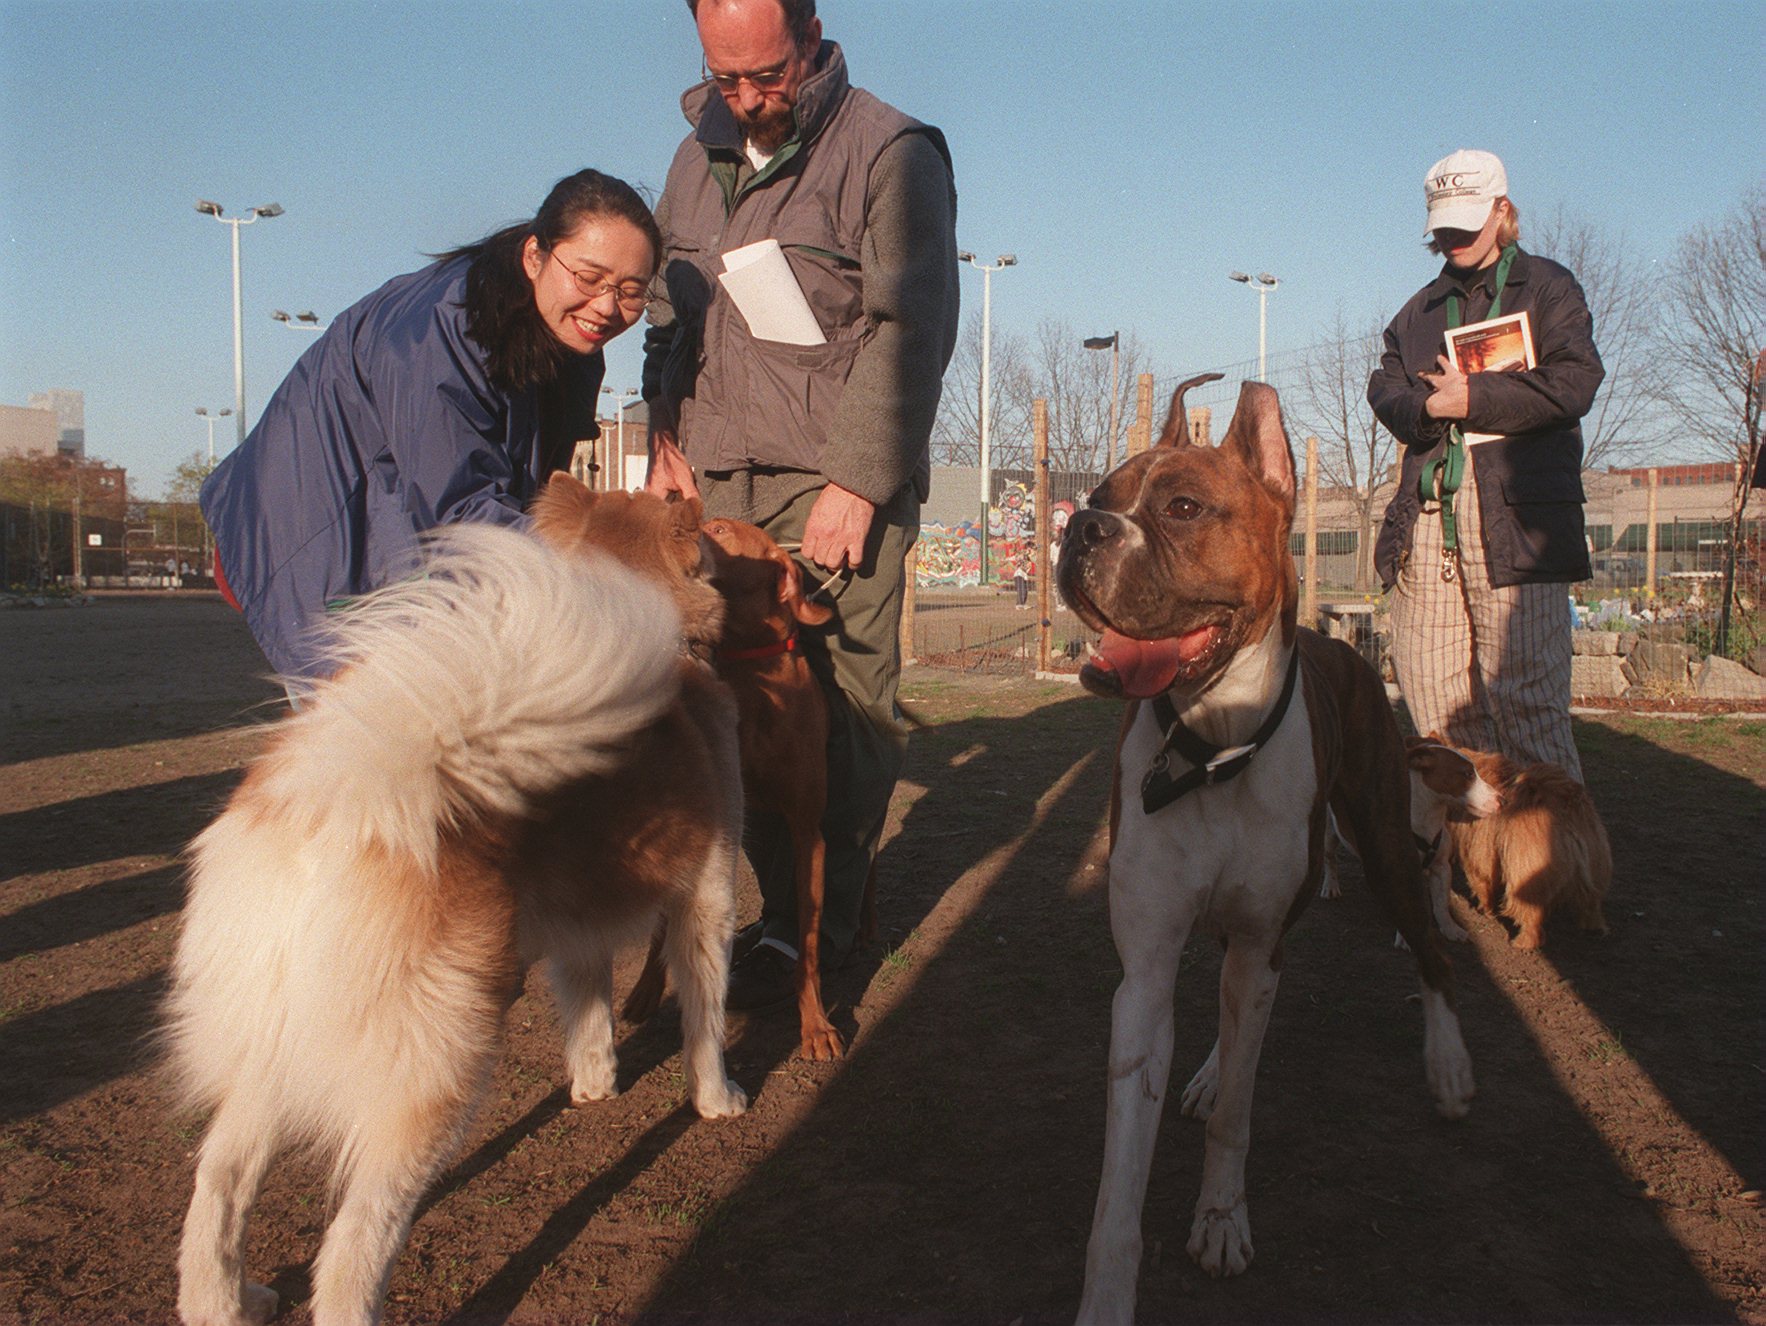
1242 728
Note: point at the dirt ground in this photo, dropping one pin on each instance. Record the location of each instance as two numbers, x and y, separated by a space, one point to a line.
945 1171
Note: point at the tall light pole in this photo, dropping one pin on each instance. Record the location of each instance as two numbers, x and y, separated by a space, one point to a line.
268 210
1004 260
210 418
308 321
1112 343
1262 283
621 399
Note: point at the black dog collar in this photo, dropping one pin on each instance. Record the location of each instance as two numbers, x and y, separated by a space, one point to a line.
1211 764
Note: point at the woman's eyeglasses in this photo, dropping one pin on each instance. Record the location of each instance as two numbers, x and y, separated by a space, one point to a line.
631 298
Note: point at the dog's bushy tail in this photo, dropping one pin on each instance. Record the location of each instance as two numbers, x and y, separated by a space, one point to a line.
505 670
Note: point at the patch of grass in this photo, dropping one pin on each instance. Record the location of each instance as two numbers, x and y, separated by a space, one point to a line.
1606 1049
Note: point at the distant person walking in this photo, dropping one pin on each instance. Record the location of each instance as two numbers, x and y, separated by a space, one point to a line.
449 394
1483 532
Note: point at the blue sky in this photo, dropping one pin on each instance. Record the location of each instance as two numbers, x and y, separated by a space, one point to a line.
1129 154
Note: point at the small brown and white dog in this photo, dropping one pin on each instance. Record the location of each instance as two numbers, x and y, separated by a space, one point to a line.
1545 850
1444 787
1243 727
783 731
514 761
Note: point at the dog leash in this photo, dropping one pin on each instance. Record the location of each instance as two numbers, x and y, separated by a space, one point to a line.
843 571
1442 476
1211 764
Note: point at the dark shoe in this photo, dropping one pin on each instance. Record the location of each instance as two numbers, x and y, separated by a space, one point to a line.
746 938
760 979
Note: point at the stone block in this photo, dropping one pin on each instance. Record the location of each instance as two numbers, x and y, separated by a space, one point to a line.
1658 663
1663 632
1724 679
1596 644
1627 641
1597 676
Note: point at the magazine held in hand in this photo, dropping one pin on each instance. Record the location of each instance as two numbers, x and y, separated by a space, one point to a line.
1496 345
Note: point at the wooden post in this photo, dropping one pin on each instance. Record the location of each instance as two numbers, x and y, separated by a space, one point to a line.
1141 436
1649 565
1040 533
1309 591
910 579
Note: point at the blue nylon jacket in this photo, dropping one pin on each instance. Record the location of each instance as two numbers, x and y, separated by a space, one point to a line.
386 427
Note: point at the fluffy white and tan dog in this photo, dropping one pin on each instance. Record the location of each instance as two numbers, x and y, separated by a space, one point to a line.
1546 849
515 761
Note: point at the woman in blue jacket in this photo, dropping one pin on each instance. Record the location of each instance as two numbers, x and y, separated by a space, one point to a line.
449 394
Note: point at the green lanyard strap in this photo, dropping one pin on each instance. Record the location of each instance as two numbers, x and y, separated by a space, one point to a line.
1441 477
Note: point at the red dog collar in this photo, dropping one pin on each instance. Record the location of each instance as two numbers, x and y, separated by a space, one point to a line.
786 646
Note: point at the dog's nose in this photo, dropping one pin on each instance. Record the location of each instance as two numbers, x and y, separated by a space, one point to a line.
1092 527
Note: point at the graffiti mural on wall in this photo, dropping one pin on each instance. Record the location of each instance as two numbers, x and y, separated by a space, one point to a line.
950 555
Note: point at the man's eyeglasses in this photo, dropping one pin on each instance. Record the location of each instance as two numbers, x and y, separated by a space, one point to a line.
761 80
631 298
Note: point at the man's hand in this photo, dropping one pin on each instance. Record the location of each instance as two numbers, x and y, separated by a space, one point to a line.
669 471
834 535
1449 398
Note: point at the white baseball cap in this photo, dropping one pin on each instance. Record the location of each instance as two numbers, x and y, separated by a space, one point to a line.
1460 189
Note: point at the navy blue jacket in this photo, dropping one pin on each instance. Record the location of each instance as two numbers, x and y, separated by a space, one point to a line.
1530 480
386 427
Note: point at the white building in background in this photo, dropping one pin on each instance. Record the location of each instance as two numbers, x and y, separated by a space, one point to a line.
69 409
25 431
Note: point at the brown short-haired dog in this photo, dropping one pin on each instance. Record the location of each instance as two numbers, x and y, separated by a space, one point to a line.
783 731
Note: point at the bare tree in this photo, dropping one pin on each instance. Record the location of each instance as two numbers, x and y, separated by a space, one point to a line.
1714 327
1623 299
1076 383
956 433
1355 453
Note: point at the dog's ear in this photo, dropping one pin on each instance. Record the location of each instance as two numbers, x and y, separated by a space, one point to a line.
1436 737
684 518
1257 437
791 592
1176 432
562 505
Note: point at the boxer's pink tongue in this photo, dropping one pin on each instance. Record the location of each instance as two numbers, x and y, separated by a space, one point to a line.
1147 667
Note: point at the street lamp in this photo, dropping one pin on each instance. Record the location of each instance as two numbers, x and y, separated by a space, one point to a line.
210 418
1262 283
1004 260
265 212
1112 343
621 399
308 321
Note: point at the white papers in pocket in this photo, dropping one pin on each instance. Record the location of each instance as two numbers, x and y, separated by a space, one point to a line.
764 287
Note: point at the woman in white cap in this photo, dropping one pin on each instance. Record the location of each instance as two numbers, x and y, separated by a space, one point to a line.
1486 526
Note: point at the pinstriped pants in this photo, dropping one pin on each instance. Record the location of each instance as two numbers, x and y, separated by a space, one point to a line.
1487 668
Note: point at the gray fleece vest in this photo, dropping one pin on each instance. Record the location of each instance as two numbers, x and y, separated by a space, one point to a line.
745 403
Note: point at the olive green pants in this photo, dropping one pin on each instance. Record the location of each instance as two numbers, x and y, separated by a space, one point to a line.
857 659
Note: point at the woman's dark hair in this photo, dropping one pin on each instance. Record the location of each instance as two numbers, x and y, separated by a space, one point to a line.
520 350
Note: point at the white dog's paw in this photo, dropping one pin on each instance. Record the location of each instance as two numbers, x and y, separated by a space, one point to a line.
257 1304
1398 941
1451 929
1199 1096
593 1085
723 1101
1446 1061
1220 1241
1330 888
